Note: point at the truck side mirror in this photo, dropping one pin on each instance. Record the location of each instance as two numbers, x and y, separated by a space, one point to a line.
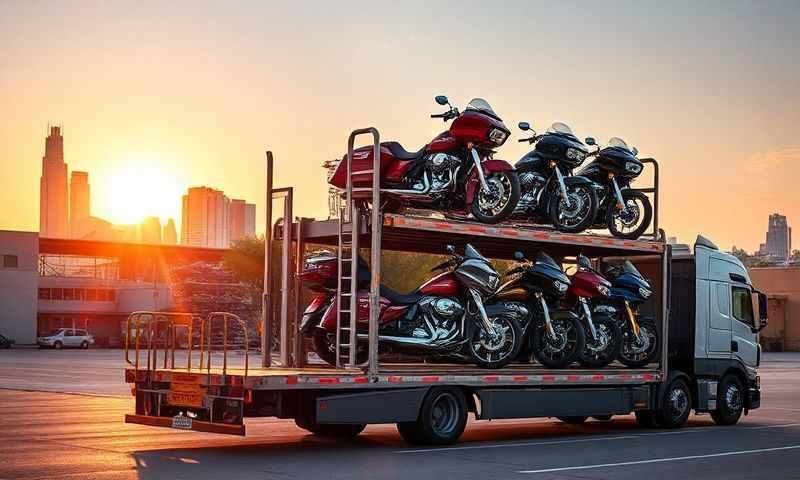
763 317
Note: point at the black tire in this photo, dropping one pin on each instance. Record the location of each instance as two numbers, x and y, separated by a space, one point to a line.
628 352
442 418
646 419
506 352
676 405
84 345
602 418
560 354
585 218
596 354
645 214
730 401
507 178
577 420
322 343
58 345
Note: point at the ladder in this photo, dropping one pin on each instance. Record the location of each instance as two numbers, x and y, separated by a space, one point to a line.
350 218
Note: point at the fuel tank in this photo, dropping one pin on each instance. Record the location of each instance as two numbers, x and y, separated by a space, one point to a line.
443 285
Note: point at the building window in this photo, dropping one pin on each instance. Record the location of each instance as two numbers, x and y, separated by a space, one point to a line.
44 294
91 294
56 294
69 294
10 261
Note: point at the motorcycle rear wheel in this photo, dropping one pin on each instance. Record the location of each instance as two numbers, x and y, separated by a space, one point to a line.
324 344
645 214
574 222
504 184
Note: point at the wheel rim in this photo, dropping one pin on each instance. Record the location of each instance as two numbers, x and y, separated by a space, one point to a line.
597 348
733 398
559 348
494 348
678 402
638 350
493 202
631 219
444 414
575 211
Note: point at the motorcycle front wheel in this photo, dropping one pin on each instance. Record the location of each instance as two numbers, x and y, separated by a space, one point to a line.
603 349
638 353
578 212
631 223
562 350
497 350
500 201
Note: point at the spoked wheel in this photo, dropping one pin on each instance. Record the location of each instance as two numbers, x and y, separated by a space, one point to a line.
603 349
499 202
495 350
577 212
563 348
638 352
324 344
442 418
631 222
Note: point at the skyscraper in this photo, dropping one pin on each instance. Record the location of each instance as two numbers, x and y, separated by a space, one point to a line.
79 206
249 220
170 236
150 230
242 219
53 213
205 218
779 238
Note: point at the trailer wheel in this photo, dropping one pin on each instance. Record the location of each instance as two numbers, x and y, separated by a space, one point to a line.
441 419
676 405
577 420
646 418
730 401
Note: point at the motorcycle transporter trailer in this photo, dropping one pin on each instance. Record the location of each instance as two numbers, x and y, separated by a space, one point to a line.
703 299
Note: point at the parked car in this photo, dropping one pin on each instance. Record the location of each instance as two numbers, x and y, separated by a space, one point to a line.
5 342
66 338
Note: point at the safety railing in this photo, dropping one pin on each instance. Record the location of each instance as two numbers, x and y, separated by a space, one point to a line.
656 233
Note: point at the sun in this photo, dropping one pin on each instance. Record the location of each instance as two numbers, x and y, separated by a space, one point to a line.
140 188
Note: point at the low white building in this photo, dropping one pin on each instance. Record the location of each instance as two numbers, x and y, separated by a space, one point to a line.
19 256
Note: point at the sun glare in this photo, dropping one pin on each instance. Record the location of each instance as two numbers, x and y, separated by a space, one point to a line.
141 188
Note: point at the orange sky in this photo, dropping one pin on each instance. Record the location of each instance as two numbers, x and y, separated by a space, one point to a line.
192 94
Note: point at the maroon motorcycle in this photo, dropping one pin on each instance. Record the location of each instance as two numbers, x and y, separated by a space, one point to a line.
455 173
603 334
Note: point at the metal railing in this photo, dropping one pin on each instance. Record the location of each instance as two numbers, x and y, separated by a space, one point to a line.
657 235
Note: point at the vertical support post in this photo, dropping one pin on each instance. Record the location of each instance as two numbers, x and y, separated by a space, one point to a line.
666 278
375 260
266 298
298 350
286 274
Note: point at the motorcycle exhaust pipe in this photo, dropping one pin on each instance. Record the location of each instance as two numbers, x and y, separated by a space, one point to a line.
413 342
410 192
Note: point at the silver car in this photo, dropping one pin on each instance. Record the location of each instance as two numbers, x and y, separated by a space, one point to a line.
66 338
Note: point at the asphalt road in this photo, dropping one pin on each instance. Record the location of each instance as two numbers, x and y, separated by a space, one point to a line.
57 435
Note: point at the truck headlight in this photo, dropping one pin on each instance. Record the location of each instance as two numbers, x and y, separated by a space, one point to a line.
575 154
633 167
645 293
497 136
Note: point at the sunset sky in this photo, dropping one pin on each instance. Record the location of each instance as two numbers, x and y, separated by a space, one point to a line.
155 97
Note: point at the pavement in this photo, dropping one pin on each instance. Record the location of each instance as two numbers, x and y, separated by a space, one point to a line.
47 434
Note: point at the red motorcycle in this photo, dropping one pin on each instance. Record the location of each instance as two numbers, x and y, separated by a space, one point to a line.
445 317
455 173
603 334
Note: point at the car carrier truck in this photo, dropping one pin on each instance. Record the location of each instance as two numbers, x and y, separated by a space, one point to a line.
702 303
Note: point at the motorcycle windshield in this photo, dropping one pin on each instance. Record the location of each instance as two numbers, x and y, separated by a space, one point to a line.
471 253
561 128
545 259
481 105
618 143
628 267
584 262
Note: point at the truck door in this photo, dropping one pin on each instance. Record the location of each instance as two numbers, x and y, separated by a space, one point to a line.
744 342
719 332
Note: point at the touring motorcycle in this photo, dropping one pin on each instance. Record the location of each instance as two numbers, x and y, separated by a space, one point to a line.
549 192
454 173
629 290
554 336
445 316
603 334
624 211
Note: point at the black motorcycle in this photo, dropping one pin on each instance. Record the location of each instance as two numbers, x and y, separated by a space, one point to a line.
549 193
555 337
629 290
625 211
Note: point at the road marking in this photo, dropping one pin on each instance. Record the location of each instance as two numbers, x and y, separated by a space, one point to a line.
781 408
661 460
591 439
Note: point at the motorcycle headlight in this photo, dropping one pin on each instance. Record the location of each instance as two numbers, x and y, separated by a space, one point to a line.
560 286
645 293
604 291
633 167
497 136
575 154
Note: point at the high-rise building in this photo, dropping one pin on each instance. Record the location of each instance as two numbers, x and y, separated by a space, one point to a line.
249 220
242 219
150 230
79 206
170 235
205 218
779 238
53 206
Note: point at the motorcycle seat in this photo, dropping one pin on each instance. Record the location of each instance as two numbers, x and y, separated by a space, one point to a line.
401 153
399 298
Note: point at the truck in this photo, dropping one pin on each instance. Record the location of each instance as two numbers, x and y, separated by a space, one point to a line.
703 305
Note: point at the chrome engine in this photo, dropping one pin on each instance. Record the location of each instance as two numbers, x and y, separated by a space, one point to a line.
440 173
531 184
437 318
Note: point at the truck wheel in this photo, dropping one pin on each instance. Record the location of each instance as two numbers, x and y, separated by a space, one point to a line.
675 405
441 420
573 420
730 401
646 419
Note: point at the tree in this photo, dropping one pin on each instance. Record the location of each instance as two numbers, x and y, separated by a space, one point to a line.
245 260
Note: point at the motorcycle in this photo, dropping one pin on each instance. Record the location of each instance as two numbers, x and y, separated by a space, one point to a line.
603 333
445 316
454 173
629 290
624 211
555 337
549 193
